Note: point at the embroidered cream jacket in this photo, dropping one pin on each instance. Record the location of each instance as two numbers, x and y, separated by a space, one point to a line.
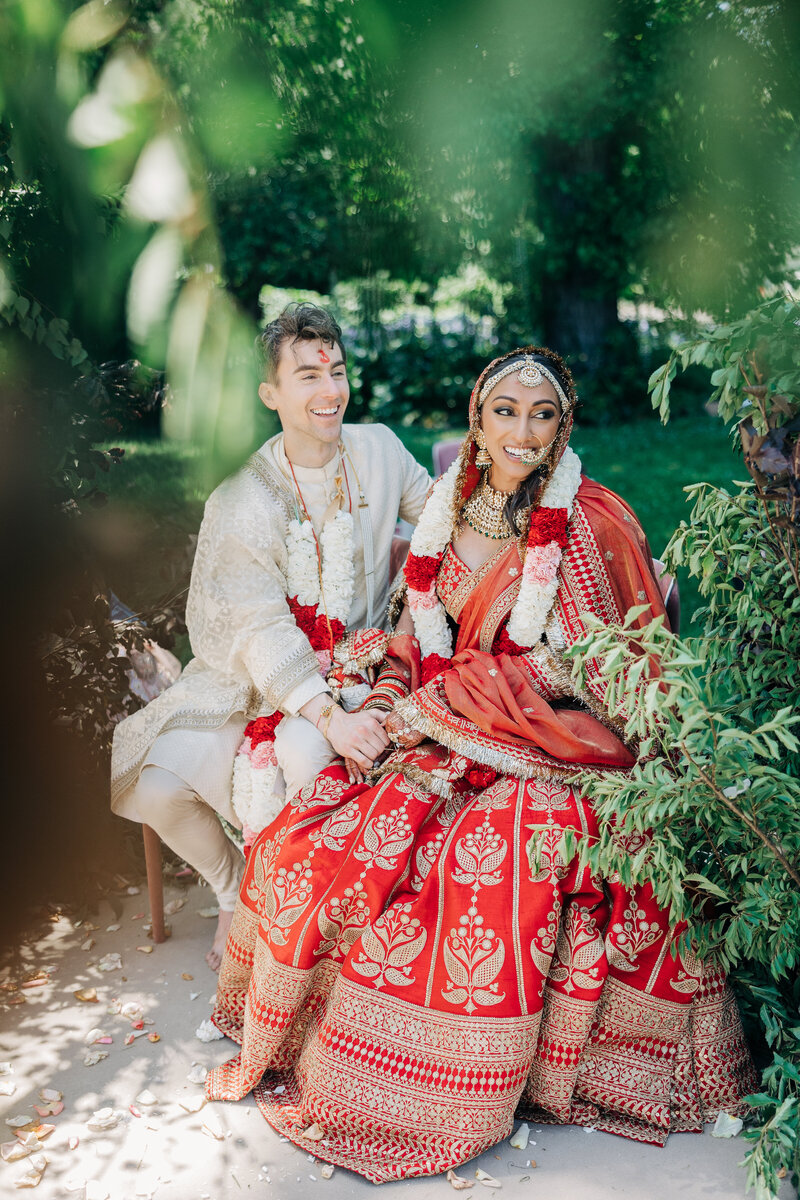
250 656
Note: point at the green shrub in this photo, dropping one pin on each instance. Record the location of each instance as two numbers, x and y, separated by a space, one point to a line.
718 785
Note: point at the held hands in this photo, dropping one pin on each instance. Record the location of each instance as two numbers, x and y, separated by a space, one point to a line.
401 733
359 737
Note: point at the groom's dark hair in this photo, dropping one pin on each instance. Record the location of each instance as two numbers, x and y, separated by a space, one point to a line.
299 322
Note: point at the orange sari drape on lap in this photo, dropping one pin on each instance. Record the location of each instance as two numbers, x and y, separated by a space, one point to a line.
402 978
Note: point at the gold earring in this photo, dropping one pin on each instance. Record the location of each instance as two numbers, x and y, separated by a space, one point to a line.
483 458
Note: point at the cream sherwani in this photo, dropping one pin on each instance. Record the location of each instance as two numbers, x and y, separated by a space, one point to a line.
250 655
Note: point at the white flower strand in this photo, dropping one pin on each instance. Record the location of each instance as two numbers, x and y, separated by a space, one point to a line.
539 584
338 568
434 529
302 573
429 540
254 798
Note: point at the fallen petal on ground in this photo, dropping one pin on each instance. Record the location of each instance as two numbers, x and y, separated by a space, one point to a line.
31 1178
486 1179
21 1148
94 1057
520 1139
213 1129
207 1031
103 1118
726 1126
110 962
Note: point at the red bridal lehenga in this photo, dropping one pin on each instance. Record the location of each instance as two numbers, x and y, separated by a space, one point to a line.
402 981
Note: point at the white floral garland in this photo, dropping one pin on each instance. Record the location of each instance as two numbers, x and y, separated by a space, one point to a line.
338 569
255 771
540 568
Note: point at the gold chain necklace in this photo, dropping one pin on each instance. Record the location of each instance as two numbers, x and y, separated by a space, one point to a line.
484 512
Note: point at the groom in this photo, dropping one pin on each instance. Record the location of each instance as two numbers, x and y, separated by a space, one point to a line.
172 761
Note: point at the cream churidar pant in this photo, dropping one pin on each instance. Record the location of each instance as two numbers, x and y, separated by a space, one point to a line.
188 823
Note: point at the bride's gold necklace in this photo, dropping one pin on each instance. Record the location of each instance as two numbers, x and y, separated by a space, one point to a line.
484 512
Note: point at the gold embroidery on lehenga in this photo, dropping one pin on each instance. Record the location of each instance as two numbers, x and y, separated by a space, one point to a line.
340 921
626 939
389 946
543 945
473 955
281 897
498 795
689 974
552 797
579 947
545 856
333 832
385 837
426 855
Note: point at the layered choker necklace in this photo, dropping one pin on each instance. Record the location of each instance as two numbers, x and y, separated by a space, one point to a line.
484 512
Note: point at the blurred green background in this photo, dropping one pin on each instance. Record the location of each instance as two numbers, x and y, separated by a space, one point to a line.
609 177
605 177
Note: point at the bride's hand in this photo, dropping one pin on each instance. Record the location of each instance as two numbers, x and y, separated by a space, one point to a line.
401 733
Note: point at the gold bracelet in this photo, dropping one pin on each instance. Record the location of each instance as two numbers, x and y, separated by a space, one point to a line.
325 714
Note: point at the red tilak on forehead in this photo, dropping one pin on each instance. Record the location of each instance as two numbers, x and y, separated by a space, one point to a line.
323 357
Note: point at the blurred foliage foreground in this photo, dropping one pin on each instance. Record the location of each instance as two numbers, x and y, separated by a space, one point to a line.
711 815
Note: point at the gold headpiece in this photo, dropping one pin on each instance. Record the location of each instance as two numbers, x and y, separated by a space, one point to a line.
531 374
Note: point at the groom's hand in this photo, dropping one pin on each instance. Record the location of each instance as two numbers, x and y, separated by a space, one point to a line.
358 736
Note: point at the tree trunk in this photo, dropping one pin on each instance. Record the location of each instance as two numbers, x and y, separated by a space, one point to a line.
581 263
580 325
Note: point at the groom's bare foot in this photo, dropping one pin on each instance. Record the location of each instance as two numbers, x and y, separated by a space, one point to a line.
214 956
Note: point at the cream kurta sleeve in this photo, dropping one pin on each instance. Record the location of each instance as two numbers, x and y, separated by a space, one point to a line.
416 482
238 618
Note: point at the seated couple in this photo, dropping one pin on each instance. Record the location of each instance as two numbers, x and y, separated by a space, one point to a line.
402 978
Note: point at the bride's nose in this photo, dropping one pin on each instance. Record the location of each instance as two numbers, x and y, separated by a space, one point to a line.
522 429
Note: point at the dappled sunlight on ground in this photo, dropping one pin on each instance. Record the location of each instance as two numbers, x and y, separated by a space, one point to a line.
160 1149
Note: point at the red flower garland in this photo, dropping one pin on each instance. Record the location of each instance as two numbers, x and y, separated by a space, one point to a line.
433 665
548 525
320 631
420 571
263 729
304 614
504 644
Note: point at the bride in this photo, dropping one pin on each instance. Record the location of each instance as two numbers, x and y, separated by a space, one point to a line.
415 958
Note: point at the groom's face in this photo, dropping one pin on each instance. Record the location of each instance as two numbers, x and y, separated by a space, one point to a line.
310 396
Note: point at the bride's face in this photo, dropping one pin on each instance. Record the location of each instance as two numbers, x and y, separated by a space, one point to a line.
515 418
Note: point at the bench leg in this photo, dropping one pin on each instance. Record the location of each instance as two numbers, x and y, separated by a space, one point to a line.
155 882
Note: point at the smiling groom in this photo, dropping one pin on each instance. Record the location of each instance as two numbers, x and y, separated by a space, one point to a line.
172 761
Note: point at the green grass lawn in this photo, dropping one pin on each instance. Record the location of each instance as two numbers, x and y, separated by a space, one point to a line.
155 503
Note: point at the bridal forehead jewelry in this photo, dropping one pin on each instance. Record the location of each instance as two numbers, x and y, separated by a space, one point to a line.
531 374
